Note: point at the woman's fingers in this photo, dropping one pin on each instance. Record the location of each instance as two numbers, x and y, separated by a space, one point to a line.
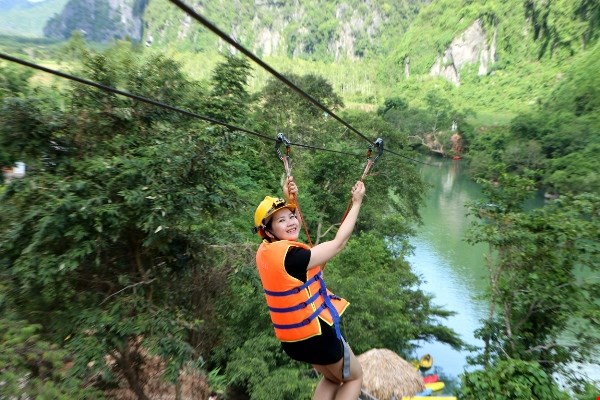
291 185
358 190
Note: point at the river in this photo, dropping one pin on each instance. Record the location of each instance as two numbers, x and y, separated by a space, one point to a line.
452 270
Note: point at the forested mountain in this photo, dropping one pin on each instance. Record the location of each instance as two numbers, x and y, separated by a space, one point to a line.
317 30
499 33
505 55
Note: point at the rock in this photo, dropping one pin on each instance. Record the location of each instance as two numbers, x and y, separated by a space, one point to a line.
470 47
99 20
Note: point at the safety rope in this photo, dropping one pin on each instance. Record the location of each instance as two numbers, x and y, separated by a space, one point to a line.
368 166
170 107
159 103
281 139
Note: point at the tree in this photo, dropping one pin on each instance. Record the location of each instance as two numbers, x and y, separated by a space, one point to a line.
31 366
229 97
14 80
13 83
535 296
286 111
430 125
100 242
510 380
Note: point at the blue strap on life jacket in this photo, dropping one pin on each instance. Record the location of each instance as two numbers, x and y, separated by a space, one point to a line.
298 288
300 306
332 310
326 304
304 322
338 332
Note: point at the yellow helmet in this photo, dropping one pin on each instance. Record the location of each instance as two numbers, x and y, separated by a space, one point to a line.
265 210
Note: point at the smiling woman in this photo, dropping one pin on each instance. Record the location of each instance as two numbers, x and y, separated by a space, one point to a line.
283 225
304 313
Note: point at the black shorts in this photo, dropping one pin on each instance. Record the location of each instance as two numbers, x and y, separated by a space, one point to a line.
323 349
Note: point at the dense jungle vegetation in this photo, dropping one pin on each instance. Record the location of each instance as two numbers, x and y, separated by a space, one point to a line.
126 252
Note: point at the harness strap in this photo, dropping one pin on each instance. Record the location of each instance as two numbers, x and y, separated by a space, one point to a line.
338 332
346 363
288 172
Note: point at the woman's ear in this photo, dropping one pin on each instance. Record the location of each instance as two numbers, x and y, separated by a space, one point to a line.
269 234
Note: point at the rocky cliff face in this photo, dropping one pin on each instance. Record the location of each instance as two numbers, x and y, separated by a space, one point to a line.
471 47
312 29
349 29
98 20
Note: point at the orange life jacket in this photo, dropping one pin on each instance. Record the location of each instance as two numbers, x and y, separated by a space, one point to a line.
295 305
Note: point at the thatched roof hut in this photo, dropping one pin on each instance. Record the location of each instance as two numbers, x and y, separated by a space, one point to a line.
387 376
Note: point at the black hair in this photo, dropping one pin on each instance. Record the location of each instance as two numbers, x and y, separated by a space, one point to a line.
268 228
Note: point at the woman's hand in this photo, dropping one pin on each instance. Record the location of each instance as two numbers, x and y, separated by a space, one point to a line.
290 190
358 192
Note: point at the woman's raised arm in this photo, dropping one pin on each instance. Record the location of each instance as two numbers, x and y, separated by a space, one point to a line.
323 252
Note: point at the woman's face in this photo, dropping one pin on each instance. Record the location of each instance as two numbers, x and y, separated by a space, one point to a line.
284 225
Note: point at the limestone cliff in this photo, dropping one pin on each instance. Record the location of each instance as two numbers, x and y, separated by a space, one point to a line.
99 20
334 30
471 47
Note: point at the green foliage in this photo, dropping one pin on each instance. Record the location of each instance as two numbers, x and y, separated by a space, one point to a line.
262 369
510 380
101 240
32 366
300 120
560 138
14 80
429 125
563 24
576 172
229 97
533 264
579 92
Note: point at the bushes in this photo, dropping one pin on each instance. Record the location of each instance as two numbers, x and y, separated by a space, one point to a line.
510 380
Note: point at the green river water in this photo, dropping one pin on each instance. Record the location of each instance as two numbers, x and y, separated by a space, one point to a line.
453 270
